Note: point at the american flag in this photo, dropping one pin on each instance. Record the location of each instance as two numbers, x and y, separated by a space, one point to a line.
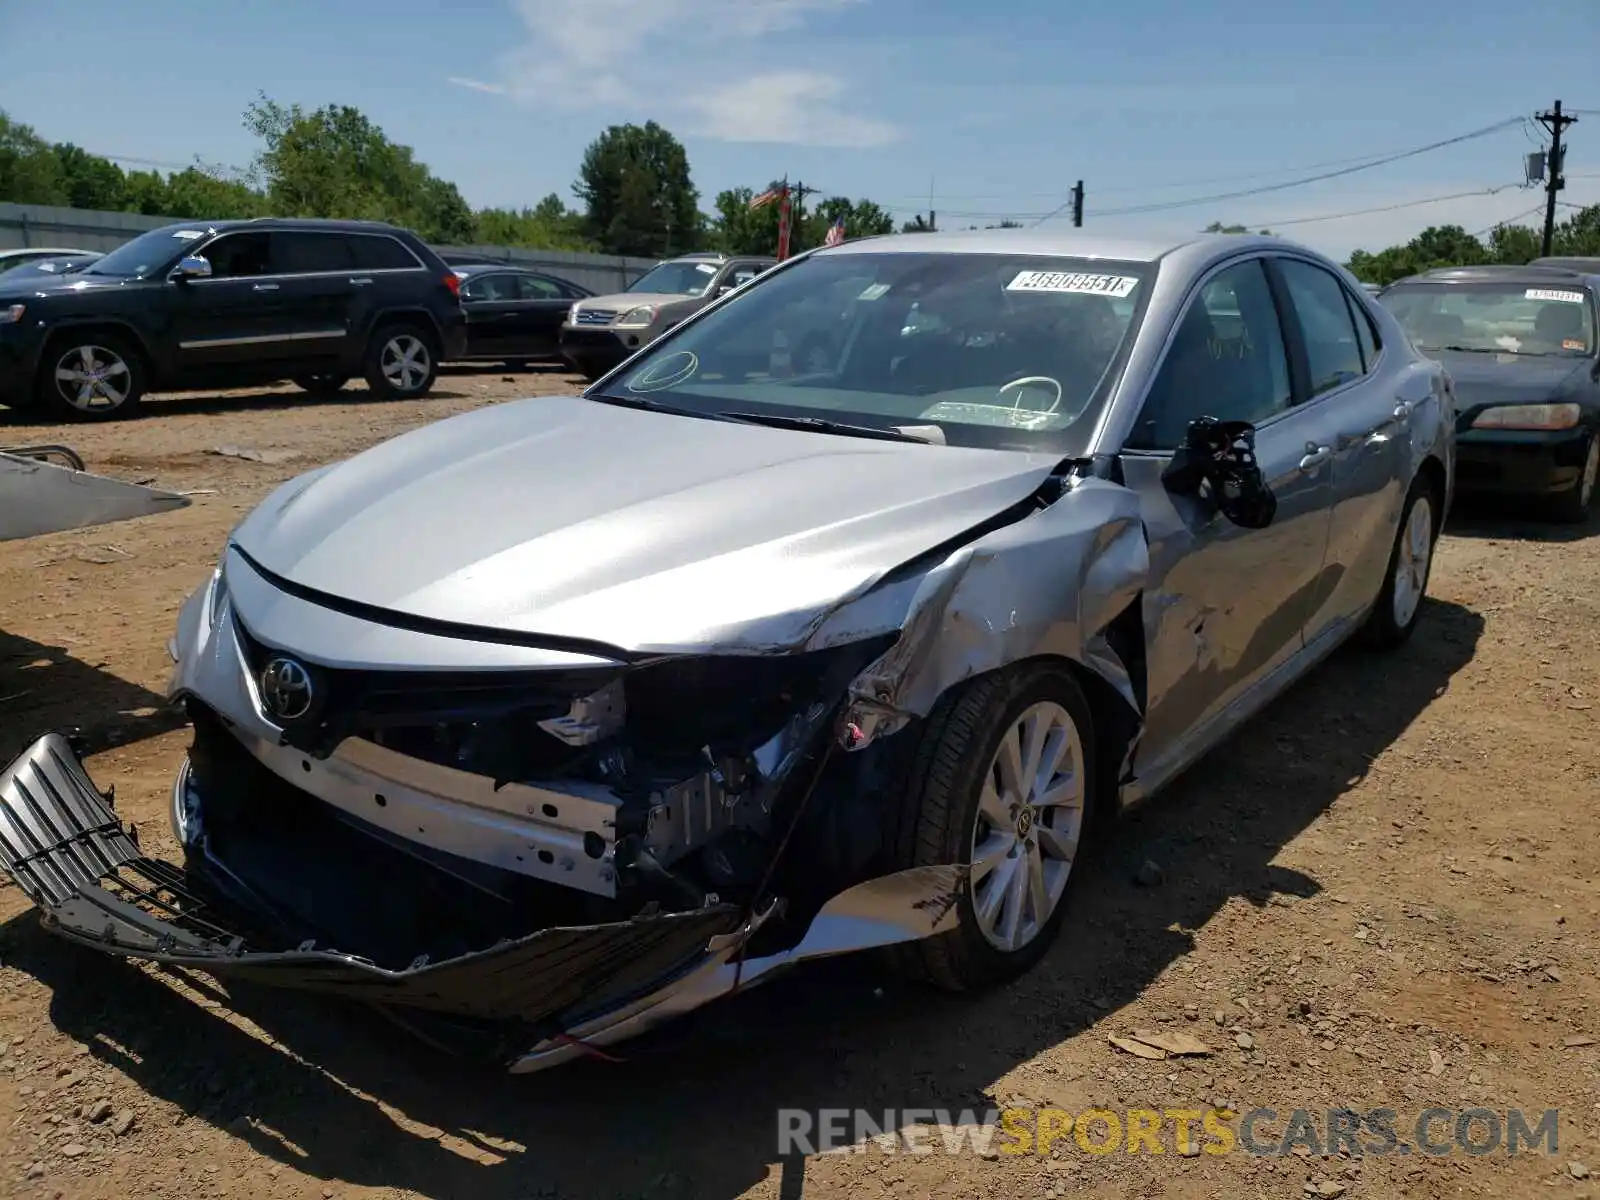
835 234
767 197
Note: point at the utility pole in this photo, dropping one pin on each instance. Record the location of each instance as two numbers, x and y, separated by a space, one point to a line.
1555 121
1077 204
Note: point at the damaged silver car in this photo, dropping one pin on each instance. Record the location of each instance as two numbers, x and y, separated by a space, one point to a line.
545 723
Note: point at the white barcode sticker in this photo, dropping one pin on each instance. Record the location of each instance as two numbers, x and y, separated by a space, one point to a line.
1550 294
1115 286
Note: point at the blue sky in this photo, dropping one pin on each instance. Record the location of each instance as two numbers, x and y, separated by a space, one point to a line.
993 108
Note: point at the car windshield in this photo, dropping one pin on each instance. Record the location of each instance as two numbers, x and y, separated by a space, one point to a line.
147 253
1496 318
676 279
998 350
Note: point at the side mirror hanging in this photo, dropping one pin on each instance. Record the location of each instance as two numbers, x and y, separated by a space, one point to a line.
1217 463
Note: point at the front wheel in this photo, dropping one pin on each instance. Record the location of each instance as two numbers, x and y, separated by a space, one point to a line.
92 376
1004 780
401 363
1399 604
1572 506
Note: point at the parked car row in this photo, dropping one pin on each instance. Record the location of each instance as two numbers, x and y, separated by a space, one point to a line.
246 303
547 722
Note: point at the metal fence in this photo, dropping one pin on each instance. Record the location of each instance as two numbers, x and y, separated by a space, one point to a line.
24 225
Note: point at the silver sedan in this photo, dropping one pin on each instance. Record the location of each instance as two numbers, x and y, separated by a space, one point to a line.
570 715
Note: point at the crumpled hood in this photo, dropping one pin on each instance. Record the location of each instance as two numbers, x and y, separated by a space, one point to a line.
571 518
1482 380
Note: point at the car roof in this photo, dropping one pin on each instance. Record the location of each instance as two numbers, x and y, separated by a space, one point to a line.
1074 243
478 268
322 224
1532 275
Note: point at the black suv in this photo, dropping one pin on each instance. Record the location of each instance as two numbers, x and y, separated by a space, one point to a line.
232 304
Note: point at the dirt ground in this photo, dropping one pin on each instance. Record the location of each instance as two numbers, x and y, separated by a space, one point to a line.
1382 894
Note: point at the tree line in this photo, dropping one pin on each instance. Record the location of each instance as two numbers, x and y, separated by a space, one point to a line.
634 187
635 191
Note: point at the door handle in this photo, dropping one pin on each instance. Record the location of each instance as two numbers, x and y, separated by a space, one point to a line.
1315 456
361 282
264 287
1402 411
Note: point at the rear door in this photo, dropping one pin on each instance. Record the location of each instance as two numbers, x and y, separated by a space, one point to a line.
314 272
543 306
493 309
1358 413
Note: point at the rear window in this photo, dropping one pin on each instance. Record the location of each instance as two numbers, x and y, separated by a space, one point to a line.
377 253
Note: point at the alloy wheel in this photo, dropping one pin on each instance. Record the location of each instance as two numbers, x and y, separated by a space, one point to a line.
1028 825
93 379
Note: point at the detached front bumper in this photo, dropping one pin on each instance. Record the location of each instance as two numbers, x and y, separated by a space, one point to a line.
259 907
1519 462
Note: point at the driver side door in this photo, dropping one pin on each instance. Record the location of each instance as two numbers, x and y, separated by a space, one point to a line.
1225 607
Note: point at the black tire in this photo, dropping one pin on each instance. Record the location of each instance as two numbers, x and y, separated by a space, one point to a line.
939 821
321 385
1572 506
402 361
119 377
1388 627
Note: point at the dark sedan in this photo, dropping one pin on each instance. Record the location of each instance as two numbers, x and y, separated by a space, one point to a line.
1524 350
514 315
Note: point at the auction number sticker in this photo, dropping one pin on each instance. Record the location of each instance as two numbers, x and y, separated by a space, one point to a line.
1115 286
1550 294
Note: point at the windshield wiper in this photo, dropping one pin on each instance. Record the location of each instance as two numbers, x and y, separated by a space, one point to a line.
819 425
1471 349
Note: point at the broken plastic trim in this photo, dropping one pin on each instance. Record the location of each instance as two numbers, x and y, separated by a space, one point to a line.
62 843
578 987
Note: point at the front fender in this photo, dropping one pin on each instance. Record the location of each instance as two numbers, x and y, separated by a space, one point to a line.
1048 585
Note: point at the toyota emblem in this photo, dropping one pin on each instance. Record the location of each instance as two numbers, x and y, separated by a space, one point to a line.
286 689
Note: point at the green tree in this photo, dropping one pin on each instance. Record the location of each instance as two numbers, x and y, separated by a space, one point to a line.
549 225
862 218
739 229
202 195
91 181
335 162
30 173
637 193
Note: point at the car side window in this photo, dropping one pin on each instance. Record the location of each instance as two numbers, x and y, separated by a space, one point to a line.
741 275
1333 351
1366 331
534 287
497 286
377 252
1226 360
310 253
235 255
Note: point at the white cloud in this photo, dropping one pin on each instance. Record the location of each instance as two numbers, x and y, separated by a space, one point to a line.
797 107
667 56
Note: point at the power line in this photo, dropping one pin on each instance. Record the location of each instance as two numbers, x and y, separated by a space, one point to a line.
1509 220
1363 212
1375 158
1293 183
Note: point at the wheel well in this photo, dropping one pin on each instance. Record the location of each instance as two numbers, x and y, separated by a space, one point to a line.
421 318
1432 470
1115 721
123 332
